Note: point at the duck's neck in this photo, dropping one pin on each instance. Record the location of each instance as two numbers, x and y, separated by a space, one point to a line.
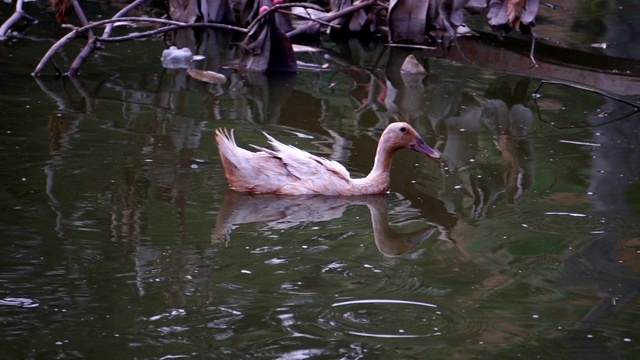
378 179
382 161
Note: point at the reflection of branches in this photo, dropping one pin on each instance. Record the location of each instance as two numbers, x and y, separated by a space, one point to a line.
586 88
635 107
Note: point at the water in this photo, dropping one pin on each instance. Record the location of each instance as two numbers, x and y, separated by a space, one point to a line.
121 240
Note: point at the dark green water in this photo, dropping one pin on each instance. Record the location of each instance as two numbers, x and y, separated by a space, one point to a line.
119 238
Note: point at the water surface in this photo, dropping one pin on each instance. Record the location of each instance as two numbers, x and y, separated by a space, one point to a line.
120 238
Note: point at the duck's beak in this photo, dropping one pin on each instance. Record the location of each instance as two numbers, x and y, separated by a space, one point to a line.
422 147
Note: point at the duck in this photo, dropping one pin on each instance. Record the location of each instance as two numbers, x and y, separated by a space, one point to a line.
287 170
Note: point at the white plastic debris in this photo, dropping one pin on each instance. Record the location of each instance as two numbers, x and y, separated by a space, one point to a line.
174 58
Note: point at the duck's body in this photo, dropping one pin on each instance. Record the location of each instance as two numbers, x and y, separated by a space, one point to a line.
287 170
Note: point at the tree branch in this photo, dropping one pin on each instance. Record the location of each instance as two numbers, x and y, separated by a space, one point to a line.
332 17
169 28
91 46
14 18
82 17
255 22
109 27
73 34
311 19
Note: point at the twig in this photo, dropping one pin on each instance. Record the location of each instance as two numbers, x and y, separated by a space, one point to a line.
331 17
91 42
311 18
552 6
109 27
256 21
14 18
167 29
91 46
534 64
53 49
82 17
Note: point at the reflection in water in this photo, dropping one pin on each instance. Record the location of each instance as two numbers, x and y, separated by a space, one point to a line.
609 263
289 212
471 172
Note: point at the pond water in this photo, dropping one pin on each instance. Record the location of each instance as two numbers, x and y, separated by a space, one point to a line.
120 238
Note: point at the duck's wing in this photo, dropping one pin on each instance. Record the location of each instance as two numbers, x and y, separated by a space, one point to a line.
255 172
302 164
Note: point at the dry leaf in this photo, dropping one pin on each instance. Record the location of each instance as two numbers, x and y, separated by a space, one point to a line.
207 76
412 66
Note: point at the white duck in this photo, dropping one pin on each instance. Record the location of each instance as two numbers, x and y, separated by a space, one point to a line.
287 170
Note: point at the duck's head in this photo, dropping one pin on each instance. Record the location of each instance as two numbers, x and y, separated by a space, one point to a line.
400 135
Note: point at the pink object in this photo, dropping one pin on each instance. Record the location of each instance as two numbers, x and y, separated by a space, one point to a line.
263 9
287 170
278 2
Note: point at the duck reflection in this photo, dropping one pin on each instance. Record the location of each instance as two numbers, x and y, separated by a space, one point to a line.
287 212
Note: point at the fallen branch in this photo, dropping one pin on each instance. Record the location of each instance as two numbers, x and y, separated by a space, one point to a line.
167 29
332 17
14 18
119 14
91 41
255 22
311 19
73 34
82 17
91 46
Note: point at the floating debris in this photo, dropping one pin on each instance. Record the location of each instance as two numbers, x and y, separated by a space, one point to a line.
211 77
20 302
412 66
174 58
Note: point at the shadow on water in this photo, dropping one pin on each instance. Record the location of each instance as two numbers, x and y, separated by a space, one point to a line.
119 226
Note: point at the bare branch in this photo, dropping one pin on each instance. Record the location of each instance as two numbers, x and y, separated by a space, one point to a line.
331 17
255 22
169 28
73 34
54 49
109 28
311 19
91 46
82 17
14 18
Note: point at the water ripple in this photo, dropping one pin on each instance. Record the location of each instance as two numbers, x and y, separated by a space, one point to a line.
372 318
19 302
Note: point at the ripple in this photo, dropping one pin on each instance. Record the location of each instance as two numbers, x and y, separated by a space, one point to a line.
388 320
19 302
410 284
385 318
383 301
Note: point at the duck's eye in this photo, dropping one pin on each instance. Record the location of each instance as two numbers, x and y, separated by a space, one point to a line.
403 129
